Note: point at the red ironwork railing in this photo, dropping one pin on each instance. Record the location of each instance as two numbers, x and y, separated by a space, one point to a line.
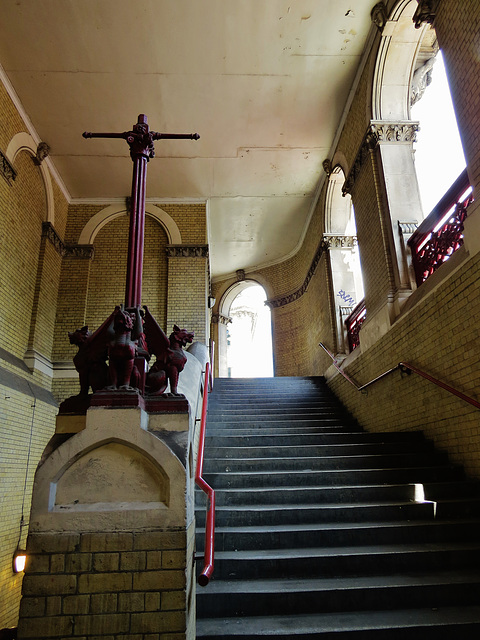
441 233
354 323
406 367
206 574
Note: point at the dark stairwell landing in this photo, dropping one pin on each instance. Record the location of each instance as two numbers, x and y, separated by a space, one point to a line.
326 531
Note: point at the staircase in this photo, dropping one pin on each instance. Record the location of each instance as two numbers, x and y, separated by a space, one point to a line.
326 531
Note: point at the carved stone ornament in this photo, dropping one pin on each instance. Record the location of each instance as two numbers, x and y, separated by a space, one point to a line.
218 318
281 301
6 169
339 241
327 166
43 150
187 251
379 15
421 79
379 132
425 12
395 131
82 251
240 275
369 143
407 228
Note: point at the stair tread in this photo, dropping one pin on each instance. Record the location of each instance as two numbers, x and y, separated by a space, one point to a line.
293 625
327 505
329 526
291 585
315 552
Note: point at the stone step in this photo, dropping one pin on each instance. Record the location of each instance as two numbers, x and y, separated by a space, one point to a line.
337 437
415 624
325 595
287 463
335 561
367 447
246 515
312 513
342 534
342 494
329 477
284 428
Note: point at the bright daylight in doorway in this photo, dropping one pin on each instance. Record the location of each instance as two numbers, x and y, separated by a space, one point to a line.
249 350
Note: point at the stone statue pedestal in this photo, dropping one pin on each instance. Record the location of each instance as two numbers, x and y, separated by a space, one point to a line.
111 531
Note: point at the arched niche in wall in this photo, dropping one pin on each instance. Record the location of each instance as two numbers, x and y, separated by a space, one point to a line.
108 232
341 241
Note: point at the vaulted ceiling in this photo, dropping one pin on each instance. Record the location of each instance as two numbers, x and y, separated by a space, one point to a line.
264 83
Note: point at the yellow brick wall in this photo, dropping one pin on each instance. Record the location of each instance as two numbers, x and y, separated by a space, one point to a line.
439 335
26 426
135 584
23 209
187 293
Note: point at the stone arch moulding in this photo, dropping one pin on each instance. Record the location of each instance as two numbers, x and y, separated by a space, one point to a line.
95 454
394 67
24 142
235 289
103 217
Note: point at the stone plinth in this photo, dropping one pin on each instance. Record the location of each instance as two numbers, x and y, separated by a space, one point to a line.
111 534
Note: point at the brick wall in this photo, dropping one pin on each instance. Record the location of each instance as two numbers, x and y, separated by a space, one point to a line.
26 426
101 585
439 335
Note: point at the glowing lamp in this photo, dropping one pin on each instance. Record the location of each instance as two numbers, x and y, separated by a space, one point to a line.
19 560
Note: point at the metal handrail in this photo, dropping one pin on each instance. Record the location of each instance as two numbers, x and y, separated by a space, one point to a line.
206 574
403 366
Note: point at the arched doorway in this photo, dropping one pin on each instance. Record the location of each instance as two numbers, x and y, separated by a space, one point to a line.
245 349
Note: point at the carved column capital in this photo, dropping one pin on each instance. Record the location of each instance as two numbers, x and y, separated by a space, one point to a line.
327 166
379 15
218 318
338 241
187 251
379 132
425 12
240 275
43 150
395 131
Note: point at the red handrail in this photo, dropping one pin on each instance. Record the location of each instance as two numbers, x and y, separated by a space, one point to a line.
402 366
204 577
439 383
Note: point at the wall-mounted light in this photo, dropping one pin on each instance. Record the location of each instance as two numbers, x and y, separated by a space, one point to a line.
19 560
211 302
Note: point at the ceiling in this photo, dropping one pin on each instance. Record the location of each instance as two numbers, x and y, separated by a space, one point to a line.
264 83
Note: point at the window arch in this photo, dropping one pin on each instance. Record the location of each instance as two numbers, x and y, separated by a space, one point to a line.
340 238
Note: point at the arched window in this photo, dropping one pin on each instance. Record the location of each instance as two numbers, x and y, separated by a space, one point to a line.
341 240
439 157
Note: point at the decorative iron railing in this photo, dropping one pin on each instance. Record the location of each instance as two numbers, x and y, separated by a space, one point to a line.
441 233
354 323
